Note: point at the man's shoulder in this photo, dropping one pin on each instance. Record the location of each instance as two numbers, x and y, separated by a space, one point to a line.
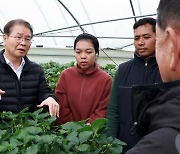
126 64
32 66
35 65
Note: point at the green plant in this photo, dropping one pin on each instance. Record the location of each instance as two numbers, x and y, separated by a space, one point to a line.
53 70
110 69
36 133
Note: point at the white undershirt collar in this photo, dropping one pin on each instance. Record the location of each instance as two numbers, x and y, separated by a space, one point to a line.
18 71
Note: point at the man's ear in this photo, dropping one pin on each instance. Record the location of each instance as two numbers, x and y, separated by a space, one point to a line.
4 39
174 38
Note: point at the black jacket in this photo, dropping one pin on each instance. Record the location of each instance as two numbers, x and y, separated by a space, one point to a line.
157 113
29 91
134 72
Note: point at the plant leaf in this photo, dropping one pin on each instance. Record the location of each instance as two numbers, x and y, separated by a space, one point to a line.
32 150
33 130
116 149
85 128
84 136
73 137
98 124
71 126
82 147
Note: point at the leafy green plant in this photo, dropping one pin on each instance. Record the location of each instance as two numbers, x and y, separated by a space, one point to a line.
36 133
53 70
110 69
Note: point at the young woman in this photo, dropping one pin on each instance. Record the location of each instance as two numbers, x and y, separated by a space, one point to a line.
83 90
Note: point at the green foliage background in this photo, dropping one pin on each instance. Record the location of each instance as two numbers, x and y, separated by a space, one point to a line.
36 133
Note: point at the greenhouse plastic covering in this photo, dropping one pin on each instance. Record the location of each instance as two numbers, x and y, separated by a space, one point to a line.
57 22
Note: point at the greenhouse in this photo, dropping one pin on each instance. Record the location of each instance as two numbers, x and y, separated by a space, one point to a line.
89 77
57 22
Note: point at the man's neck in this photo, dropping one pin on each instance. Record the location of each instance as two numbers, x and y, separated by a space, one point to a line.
16 61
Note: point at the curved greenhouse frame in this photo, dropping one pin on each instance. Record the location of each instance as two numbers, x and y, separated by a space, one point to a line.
57 22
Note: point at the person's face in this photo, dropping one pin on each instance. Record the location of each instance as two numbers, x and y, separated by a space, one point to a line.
144 40
18 42
85 54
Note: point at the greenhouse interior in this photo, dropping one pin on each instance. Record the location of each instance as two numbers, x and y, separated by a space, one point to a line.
114 91
56 23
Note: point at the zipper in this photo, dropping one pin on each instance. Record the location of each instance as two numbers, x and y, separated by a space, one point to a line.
19 95
146 63
146 72
82 85
133 129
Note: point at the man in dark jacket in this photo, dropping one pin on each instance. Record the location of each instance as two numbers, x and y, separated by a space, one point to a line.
22 82
157 107
142 69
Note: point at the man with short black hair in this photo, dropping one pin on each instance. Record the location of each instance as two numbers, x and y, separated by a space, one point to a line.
157 107
142 69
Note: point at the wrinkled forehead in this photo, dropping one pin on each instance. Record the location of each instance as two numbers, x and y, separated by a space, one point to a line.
21 30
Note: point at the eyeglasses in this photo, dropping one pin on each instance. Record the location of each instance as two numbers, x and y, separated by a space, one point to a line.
20 39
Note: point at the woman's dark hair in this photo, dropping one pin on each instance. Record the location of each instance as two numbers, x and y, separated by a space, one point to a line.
144 21
8 27
86 36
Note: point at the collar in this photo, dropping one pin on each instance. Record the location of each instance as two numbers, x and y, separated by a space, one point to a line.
88 71
26 59
149 58
11 64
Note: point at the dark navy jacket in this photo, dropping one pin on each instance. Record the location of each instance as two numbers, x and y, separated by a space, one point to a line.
133 72
156 111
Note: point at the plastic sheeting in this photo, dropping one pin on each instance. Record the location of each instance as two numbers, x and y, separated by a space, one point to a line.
57 22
